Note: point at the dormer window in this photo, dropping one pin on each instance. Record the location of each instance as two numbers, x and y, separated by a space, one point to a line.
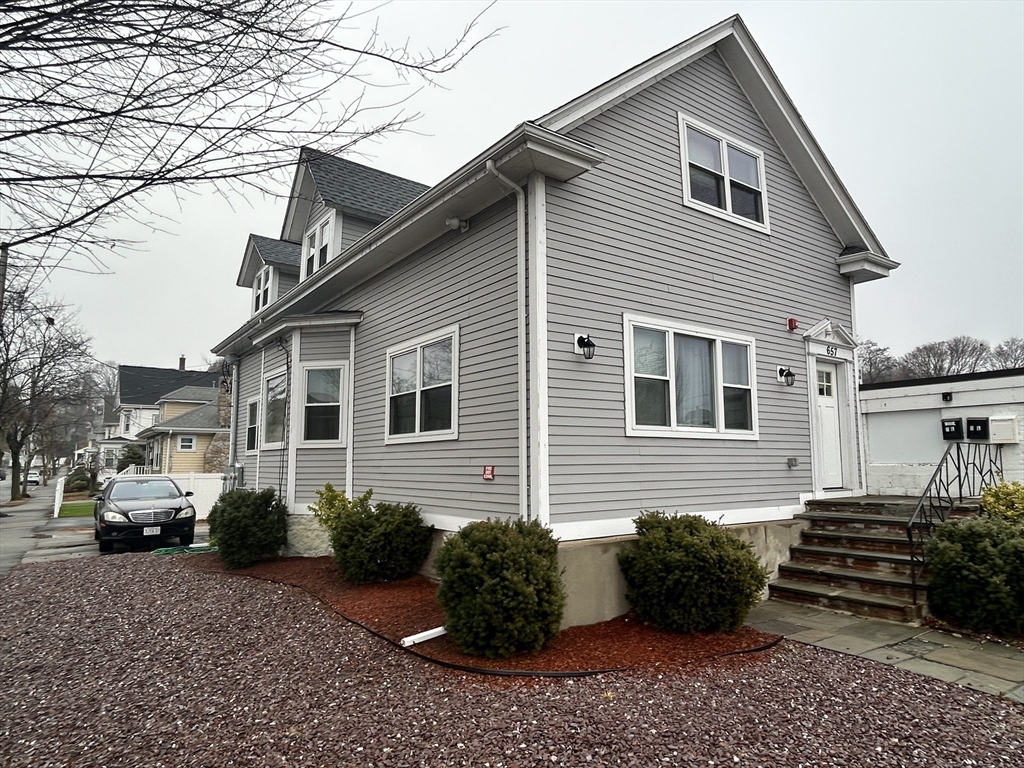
318 246
261 289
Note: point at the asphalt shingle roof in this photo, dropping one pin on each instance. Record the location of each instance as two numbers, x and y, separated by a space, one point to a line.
203 417
281 253
141 385
372 193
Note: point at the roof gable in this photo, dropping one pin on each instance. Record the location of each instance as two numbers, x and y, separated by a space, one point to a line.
352 188
733 42
283 254
191 394
201 419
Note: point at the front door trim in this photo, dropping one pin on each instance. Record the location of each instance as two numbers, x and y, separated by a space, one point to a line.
832 343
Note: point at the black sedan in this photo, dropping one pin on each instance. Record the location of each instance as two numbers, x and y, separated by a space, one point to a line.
141 508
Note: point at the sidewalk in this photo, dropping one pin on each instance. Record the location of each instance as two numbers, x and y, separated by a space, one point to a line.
990 667
19 525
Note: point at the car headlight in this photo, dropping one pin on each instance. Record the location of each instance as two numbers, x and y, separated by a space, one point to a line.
114 517
187 512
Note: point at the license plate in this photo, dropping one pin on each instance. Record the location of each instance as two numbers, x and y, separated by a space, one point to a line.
151 531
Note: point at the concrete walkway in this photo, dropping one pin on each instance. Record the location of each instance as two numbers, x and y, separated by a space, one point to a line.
988 666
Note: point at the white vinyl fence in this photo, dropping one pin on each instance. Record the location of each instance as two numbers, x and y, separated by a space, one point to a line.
58 496
206 487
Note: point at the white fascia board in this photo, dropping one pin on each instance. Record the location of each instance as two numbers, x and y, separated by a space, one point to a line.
765 92
300 200
864 266
247 272
620 88
311 321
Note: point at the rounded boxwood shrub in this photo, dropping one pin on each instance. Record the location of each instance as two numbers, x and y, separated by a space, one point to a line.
976 568
1005 501
381 542
248 526
501 588
686 574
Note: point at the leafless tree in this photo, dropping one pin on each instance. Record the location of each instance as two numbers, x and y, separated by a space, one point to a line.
961 354
44 361
102 102
876 364
1009 354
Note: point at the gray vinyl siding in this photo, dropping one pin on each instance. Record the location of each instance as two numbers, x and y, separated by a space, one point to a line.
322 464
271 468
286 281
466 279
248 389
352 229
620 240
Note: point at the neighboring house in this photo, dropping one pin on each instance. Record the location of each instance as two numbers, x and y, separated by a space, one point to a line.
905 421
191 433
135 407
678 222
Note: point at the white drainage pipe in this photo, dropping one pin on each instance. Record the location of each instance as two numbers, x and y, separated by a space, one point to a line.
421 637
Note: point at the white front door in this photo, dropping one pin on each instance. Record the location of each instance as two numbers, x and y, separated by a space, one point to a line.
830 442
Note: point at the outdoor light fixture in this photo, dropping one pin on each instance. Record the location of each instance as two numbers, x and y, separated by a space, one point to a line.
585 346
455 223
786 374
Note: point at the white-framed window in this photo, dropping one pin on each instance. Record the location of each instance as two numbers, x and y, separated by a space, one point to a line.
275 404
127 421
722 175
317 248
423 388
261 289
252 425
324 388
686 381
186 443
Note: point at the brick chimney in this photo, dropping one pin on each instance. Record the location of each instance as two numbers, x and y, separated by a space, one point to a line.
181 363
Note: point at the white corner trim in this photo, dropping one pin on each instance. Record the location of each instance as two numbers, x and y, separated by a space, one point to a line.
540 481
351 406
295 417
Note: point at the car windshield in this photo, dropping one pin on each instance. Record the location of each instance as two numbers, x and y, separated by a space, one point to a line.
144 489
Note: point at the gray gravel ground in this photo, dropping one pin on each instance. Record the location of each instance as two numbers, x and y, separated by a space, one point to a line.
137 660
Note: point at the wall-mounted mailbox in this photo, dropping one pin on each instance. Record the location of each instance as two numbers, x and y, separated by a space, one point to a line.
1003 429
977 429
952 429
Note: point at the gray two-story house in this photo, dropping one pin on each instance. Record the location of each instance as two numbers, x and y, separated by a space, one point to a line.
642 300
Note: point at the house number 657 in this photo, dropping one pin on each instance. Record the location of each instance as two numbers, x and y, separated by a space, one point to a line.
831 351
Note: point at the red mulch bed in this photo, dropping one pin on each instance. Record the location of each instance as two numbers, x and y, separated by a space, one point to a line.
398 609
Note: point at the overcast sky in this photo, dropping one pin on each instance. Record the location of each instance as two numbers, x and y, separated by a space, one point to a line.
919 107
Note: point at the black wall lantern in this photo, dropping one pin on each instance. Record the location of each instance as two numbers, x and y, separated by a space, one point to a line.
585 345
786 374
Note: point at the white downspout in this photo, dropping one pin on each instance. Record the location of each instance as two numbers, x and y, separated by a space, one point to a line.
524 510
233 446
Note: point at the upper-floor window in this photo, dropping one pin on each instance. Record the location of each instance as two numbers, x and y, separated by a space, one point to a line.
317 249
722 176
127 421
261 288
186 443
423 388
689 382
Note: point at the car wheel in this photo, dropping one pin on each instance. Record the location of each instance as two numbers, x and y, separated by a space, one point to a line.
106 546
96 533
186 539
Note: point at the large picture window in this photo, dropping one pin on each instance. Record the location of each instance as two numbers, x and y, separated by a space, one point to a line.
423 388
274 406
722 176
322 405
686 381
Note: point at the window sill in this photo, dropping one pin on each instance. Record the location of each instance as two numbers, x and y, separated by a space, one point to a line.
699 434
428 437
272 447
726 216
321 444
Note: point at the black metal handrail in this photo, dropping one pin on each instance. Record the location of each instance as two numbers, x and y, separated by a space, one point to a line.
964 471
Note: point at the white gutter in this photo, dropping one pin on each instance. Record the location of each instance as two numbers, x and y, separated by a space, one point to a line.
524 510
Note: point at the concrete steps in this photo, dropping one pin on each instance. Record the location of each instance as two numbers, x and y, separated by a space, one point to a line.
854 557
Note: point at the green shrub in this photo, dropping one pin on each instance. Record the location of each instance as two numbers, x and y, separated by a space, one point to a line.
247 526
132 454
381 542
976 568
1005 501
77 481
501 588
688 575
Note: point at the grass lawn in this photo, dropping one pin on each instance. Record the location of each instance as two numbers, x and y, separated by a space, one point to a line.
76 508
